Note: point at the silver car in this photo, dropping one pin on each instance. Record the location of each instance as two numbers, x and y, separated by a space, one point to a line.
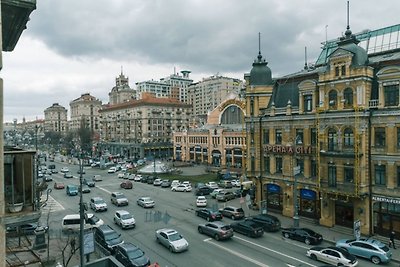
171 239
332 255
145 202
217 230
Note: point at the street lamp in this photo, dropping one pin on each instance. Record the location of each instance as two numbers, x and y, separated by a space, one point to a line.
81 213
295 170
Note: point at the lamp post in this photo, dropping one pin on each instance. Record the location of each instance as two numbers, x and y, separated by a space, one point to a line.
81 214
295 170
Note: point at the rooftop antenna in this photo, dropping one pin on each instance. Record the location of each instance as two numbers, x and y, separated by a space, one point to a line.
122 70
305 58
259 43
348 15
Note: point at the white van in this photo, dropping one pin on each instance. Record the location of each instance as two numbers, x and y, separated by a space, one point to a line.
71 222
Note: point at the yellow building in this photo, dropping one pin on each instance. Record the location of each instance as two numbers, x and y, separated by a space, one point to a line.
324 143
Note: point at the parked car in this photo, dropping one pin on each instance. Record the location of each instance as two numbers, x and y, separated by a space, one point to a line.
24 229
124 219
112 170
232 212
120 175
332 255
175 183
201 201
107 237
137 178
235 183
157 182
68 175
58 185
119 199
130 255
181 188
145 202
171 239
248 228
270 223
225 196
214 193
126 184
97 178
88 182
72 190
217 230
305 235
225 184
203 190
165 183
209 214
368 248
98 204
150 179
212 185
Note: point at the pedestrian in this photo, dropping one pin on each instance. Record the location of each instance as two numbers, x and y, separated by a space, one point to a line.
391 240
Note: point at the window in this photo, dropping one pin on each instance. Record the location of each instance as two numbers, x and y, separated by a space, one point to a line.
380 137
398 137
398 176
308 103
336 71
278 136
267 165
349 173
266 136
343 70
348 98
332 99
332 140
348 138
300 163
332 175
380 174
299 136
313 136
278 164
391 93
313 168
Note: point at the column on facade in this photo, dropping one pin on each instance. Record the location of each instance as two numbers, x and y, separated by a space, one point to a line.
381 96
391 136
391 175
301 103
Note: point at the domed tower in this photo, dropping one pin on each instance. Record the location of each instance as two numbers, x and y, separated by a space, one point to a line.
260 74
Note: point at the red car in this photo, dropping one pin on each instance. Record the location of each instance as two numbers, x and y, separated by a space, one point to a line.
126 185
59 185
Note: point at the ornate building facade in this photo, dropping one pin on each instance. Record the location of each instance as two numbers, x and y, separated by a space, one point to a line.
85 112
324 143
55 118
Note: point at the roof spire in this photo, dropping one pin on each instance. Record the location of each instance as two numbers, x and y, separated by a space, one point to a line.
305 58
122 70
259 47
348 31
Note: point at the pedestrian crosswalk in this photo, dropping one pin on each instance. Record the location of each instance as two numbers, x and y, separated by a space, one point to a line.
52 205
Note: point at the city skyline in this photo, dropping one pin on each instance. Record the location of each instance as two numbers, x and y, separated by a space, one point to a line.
61 55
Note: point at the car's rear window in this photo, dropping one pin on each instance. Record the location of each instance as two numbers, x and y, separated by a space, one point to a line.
226 228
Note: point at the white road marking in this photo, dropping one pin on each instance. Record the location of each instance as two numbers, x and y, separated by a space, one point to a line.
240 255
105 190
274 251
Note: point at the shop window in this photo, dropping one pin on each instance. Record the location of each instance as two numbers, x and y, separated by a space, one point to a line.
391 93
332 99
278 136
332 175
348 138
307 103
349 173
278 165
380 137
267 163
332 140
380 174
348 98
265 136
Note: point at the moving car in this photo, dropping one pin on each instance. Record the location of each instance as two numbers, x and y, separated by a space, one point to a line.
58 185
305 235
97 178
119 199
209 214
85 189
171 239
130 255
98 204
64 169
332 255
72 190
124 219
181 188
203 190
201 201
368 248
248 228
107 237
225 196
126 184
270 223
88 182
68 175
145 202
217 230
232 212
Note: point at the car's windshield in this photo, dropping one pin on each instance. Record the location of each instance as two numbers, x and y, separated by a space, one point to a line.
98 201
126 216
120 196
112 235
134 254
94 219
175 237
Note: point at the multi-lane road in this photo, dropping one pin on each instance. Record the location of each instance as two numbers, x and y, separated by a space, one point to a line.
176 210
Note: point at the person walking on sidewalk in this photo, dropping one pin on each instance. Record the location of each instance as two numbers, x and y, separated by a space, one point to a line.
391 240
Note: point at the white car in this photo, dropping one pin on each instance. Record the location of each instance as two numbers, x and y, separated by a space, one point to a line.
181 188
112 170
201 201
137 178
235 183
214 193
212 185
175 183
121 175
64 169
124 219
187 183
332 255
145 202
171 239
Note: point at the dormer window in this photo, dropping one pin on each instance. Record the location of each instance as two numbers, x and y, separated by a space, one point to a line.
343 70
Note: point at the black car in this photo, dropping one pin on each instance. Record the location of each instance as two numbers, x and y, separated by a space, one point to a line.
305 235
88 182
107 237
24 229
269 222
130 255
209 214
248 228
203 190
150 179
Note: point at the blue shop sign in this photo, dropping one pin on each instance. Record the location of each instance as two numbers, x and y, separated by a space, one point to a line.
308 194
274 188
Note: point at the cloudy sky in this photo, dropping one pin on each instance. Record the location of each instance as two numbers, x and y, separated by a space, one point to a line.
72 47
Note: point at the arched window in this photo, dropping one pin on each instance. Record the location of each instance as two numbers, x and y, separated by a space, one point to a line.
332 99
332 140
348 137
348 98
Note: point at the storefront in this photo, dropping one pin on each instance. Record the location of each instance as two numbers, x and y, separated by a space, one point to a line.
274 197
216 158
344 213
308 206
386 214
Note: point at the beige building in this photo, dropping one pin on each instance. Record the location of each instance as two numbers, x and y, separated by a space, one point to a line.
85 112
207 94
121 92
142 128
55 118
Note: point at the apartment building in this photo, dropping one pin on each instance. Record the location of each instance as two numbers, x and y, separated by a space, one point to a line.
56 119
121 92
85 113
